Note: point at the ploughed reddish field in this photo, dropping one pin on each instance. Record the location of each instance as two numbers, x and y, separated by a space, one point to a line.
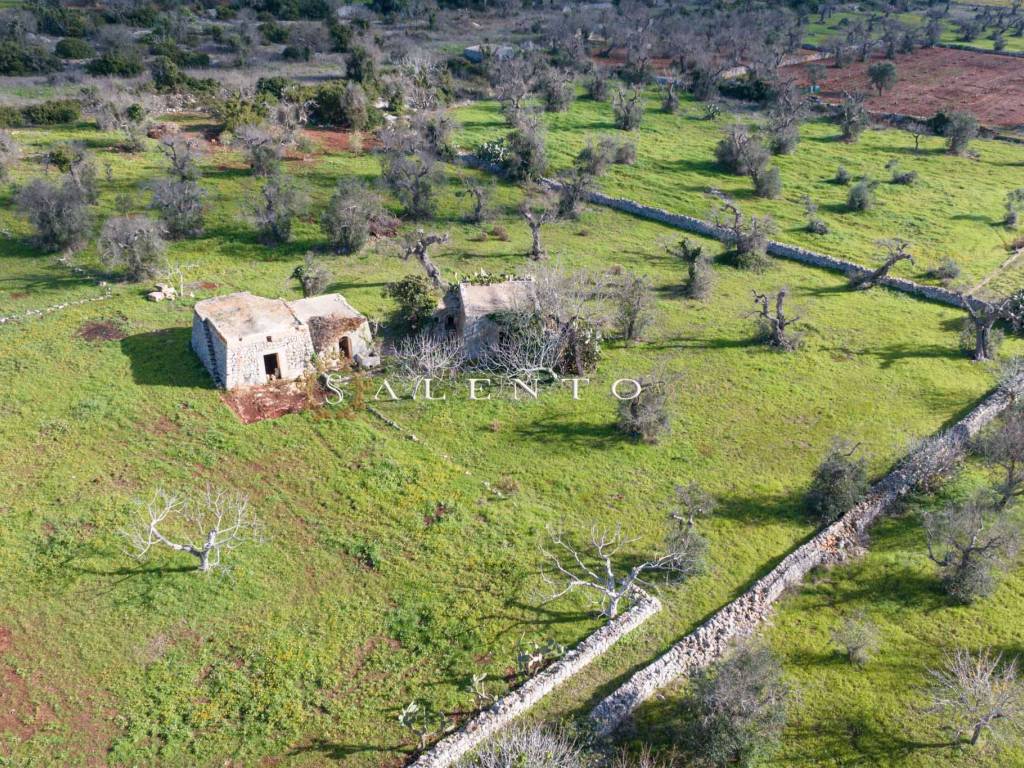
987 85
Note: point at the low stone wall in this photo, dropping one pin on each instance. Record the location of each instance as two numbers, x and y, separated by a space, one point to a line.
744 615
777 249
452 748
49 310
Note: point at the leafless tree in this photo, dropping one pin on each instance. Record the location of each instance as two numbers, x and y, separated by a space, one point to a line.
894 251
1001 446
418 245
430 355
593 567
436 129
513 80
982 318
970 542
183 153
917 129
787 111
576 185
219 522
180 205
538 209
773 322
532 746
633 297
852 116
135 243
263 145
480 190
978 694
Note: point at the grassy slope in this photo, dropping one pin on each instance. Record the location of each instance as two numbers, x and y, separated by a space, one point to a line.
873 715
953 210
819 33
304 651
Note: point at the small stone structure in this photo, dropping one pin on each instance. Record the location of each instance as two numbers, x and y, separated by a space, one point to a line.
246 340
833 544
453 748
468 310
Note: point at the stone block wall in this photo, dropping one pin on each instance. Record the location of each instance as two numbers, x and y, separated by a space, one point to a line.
244 366
742 617
453 748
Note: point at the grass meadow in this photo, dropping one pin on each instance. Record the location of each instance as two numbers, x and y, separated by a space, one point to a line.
954 210
391 570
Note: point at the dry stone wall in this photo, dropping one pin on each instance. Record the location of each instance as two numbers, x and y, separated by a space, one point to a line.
744 615
453 748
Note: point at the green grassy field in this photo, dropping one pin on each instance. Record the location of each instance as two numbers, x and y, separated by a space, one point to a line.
955 209
390 569
875 714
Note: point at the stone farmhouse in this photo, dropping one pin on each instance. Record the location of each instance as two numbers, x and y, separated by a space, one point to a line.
468 310
246 340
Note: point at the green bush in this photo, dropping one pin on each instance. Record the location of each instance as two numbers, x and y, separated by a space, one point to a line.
55 112
74 48
10 117
416 299
17 58
117 63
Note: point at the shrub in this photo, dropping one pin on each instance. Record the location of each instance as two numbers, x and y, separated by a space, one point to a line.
908 178
344 105
9 153
767 182
557 92
628 110
858 637
861 196
54 112
594 159
960 129
842 176
839 483
74 48
59 213
134 243
740 152
597 86
625 153
529 747
280 202
946 270
499 233
526 155
18 58
118 62
416 299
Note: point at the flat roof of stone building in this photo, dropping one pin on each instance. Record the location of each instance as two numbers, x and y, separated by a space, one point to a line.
479 300
238 315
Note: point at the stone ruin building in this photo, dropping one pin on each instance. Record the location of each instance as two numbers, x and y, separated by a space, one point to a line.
468 310
246 340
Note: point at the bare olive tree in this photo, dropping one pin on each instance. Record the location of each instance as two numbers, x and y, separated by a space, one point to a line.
699 273
747 235
417 245
980 334
183 154
1001 446
593 567
978 694
645 416
773 322
857 635
280 201
59 213
538 210
633 297
205 525
894 250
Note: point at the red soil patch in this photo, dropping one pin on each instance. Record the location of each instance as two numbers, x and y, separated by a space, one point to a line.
937 79
19 294
5 639
270 401
203 285
338 141
101 330
18 715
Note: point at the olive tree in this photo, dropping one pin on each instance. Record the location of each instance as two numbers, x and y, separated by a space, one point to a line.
839 483
134 243
9 153
413 179
852 116
699 273
280 201
960 129
1001 447
894 250
644 413
633 298
313 275
882 75
735 710
58 212
773 323
858 636
971 542
346 219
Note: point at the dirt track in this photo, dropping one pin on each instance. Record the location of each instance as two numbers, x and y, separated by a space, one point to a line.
991 87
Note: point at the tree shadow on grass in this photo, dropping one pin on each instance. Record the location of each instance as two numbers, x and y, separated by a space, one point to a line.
896 353
164 358
561 429
333 751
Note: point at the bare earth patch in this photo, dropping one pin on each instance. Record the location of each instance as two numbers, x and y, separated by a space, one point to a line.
338 141
937 79
270 401
101 330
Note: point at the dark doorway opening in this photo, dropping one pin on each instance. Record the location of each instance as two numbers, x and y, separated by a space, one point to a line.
449 324
345 347
271 367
